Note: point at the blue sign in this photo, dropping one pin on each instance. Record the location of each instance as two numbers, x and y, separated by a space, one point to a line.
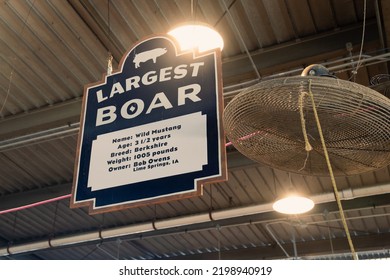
152 131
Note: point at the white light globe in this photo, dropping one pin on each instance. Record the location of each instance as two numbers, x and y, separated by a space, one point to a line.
194 36
293 205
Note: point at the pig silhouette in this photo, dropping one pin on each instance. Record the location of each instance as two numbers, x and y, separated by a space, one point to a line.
148 55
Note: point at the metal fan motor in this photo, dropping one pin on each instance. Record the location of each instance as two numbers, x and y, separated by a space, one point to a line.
269 121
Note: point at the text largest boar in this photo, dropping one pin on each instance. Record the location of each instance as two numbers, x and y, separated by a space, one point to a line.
136 106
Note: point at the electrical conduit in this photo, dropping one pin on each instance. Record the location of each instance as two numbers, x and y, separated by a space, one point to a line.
102 234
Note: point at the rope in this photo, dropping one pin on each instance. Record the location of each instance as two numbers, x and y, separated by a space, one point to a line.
336 193
308 146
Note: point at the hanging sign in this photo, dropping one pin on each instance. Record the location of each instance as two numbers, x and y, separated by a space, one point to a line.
151 132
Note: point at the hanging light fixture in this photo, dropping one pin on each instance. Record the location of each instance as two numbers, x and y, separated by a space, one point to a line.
293 204
200 36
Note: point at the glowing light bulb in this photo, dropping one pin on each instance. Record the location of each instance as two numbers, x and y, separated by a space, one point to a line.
293 204
197 36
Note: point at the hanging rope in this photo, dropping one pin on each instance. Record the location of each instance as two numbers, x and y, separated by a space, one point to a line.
336 193
308 146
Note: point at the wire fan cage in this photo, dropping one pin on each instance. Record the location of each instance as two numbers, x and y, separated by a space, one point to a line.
270 121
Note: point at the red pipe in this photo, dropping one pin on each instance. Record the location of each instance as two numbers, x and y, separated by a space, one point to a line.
34 204
50 200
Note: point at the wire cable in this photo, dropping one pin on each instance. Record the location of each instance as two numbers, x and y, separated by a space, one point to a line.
13 64
242 41
359 62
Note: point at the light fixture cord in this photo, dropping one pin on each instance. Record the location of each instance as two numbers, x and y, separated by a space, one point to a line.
8 91
219 242
336 193
238 33
192 10
359 62
13 64
109 55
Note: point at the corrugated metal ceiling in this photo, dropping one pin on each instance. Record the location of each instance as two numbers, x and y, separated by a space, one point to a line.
50 49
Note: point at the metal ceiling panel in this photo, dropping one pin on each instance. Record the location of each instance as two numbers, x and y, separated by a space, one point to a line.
50 49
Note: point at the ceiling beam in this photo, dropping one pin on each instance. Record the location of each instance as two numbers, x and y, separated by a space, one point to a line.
297 52
306 249
62 114
382 12
98 26
262 218
309 249
234 70
34 196
234 160
269 216
11 201
384 9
